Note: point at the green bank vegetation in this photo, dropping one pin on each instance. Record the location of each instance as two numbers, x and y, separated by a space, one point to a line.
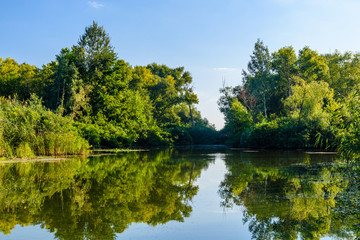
294 101
90 93
28 129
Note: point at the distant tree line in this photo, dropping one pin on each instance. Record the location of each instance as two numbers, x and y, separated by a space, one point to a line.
289 100
110 103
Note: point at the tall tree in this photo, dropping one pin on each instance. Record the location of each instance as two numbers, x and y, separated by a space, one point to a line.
95 61
172 87
284 63
97 53
258 77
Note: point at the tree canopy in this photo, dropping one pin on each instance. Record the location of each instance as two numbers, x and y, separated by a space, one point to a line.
292 101
111 103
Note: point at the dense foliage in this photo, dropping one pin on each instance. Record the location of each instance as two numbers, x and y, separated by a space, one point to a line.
293 101
111 103
285 101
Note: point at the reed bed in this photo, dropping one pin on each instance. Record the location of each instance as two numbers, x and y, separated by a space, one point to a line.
28 129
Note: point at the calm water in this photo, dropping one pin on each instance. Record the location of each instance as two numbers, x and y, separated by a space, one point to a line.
182 194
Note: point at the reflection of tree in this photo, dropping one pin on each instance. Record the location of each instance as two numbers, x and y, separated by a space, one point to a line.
98 197
347 209
290 196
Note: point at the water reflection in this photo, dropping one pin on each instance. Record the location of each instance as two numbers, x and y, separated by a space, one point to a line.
287 195
292 195
96 198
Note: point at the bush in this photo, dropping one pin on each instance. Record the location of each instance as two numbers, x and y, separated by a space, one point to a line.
180 136
263 135
90 132
154 137
284 132
203 135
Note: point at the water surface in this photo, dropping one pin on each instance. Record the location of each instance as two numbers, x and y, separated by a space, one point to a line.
182 194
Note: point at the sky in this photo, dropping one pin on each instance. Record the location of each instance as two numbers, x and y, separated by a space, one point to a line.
212 39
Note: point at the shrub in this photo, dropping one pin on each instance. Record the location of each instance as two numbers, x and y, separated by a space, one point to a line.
154 137
180 136
204 135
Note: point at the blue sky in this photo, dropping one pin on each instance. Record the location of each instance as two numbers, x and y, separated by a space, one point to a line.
211 39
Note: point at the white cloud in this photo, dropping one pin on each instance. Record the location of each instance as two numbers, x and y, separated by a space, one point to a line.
95 4
225 69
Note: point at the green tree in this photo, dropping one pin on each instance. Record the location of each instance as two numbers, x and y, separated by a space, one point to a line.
312 66
171 89
68 89
258 77
96 54
47 75
112 103
19 80
314 100
344 72
284 63
9 77
94 59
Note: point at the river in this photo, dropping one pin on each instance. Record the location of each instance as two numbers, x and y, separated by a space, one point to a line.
182 194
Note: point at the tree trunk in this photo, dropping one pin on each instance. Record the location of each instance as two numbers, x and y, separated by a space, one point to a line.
265 110
191 115
288 79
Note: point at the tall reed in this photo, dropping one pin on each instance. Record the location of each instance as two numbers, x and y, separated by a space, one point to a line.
28 129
